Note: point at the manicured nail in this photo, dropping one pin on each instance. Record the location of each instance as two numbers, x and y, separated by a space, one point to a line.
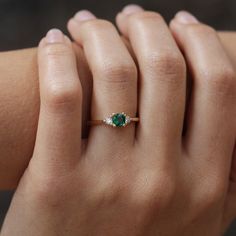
131 9
54 36
84 15
185 17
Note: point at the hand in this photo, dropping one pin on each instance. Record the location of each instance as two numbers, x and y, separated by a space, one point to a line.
143 180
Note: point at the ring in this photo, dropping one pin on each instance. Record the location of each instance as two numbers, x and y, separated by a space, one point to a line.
115 120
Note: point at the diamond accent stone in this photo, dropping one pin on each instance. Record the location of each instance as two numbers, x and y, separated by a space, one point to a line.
108 121
127 120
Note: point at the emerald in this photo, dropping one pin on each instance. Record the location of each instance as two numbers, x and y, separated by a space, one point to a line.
119 119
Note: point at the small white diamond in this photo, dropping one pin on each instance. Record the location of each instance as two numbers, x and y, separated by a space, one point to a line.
127 120
108 121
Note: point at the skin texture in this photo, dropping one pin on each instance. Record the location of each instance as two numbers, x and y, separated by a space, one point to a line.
146 179
19 111
19 105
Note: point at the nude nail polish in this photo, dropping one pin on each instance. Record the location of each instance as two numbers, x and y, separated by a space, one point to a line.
54 36
131 9
84 15
185 17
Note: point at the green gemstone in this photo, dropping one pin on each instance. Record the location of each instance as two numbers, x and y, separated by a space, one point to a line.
119 120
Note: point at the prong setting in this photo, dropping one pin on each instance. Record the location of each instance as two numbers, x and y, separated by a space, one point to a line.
117 120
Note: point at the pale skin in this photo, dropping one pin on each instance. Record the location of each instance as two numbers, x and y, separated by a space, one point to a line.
141 180
19 105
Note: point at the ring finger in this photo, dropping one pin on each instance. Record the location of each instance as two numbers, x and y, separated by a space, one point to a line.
114 76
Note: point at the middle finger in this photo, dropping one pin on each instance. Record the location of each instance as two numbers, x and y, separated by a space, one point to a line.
162 76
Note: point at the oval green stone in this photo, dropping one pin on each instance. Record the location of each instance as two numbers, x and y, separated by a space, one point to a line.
119 119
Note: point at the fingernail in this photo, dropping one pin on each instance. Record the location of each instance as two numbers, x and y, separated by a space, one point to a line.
84 15
185 17
54 36
131 9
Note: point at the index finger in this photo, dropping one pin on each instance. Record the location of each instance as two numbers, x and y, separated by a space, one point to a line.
58 141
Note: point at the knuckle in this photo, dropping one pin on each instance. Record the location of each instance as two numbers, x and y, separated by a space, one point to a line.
166 60
212 196
118 71
221 80
49 190
62 97
166 63
45 190
167 189
211 193
153 190
113 72
105 189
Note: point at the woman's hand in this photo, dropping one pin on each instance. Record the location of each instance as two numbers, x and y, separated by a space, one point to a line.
139 180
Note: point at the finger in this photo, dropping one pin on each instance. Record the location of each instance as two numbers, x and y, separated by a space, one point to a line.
230 206
211 126
86 80
162 76
58 140
130 49
233 170
114 75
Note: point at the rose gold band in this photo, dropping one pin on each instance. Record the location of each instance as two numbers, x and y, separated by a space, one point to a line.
100 122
